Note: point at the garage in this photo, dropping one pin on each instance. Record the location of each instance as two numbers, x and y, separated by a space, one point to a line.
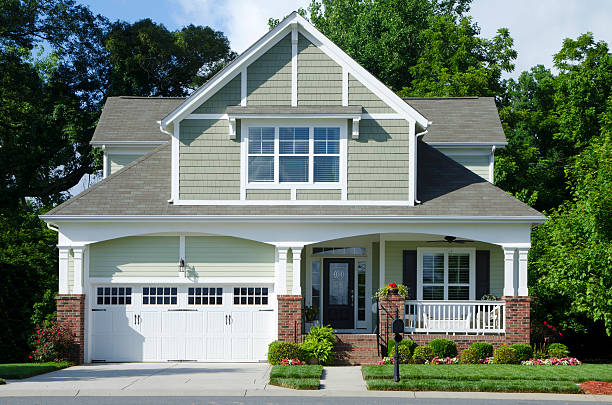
132 323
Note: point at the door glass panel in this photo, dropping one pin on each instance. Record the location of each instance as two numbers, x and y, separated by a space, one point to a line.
316 285
338 283
361 290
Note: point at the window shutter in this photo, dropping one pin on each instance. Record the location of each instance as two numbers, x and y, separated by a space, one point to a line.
410 273
483 269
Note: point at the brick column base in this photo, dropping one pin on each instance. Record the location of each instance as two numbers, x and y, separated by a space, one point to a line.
290 318
71 314
389 307
517 319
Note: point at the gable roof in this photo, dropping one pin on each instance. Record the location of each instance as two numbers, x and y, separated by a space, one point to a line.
269 39
142 189
461 120
133 119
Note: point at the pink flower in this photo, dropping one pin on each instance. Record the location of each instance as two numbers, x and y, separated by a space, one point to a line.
29 357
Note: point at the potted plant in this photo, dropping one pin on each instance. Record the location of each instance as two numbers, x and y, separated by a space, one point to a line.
392 289
311 313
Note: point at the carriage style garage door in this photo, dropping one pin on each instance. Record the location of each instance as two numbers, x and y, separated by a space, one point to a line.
166 323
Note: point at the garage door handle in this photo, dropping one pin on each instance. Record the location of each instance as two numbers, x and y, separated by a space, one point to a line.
266 310
97 309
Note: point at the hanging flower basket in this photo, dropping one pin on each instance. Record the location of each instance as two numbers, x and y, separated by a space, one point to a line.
392 289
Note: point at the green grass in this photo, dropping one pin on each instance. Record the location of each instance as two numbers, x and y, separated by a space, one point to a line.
575 374
479 385
24 370
296 377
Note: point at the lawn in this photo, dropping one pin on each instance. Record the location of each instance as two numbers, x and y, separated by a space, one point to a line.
296 377
24 370
491 377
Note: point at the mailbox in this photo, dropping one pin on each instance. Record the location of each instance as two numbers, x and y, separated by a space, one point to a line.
398 326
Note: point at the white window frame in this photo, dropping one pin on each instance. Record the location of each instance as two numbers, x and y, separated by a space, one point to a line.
293 187
446 252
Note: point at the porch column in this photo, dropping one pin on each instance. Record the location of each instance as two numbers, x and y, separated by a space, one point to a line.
64 255
522 272
297 270
509 272
77 287
381 270
281 270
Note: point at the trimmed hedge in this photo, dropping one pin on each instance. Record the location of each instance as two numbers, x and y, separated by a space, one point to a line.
504 355
277 351
443 347
423 354
523 351
483 349
470 356
557 350
408 343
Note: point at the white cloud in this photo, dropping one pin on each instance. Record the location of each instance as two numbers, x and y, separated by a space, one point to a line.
242 21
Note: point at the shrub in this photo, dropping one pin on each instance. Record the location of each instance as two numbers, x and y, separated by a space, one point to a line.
410 344
504 355
277 351
423 355
470 356
53 342
319 344
483 349
443 347
523 351
557 350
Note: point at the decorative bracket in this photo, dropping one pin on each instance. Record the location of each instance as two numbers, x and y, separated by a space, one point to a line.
356 127
232 128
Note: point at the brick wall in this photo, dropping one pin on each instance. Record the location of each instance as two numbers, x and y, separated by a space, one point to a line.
389 307
517 319
462 341
71 314
290 318
356 349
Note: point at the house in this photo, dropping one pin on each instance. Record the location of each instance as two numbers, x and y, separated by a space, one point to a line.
292 178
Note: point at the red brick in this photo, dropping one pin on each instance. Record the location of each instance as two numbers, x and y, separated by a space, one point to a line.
71 314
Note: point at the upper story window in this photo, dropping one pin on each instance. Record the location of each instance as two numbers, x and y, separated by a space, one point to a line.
285 155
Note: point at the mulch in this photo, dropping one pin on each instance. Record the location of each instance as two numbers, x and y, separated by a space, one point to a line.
597 387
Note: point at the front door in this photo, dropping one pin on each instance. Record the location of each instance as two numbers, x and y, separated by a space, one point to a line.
339 293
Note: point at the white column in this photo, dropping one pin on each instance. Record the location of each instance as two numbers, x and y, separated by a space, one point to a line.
297 270
381 269
77 287
281 270
509 271
64 256
523 290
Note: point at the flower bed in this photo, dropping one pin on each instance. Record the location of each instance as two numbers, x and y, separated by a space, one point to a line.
563 361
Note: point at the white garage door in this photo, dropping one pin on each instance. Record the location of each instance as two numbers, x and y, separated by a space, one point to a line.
166 323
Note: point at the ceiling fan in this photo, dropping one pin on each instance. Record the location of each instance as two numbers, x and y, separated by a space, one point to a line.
450 239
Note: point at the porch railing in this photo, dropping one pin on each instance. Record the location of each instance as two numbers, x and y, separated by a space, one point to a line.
452 317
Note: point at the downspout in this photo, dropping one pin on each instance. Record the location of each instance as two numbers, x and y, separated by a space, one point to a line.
165 131
53 227
416 200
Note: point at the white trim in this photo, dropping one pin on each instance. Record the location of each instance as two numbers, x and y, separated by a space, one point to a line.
64 256
446 251
355 128
180 280
441 145
382 116
492 165
174 192
232 128
523 290
291 116
297 270
295 218
77 287
206 117
243 86
381 264
128 143
298 186
310 32
280 270
345 81
412 166
105 166
509 271
294 65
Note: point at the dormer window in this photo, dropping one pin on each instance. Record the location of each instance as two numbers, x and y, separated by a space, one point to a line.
294 155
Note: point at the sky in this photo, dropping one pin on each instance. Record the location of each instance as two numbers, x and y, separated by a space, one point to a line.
537 26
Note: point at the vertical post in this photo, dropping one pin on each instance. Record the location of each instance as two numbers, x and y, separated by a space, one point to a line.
523 290
509 272
381 266
77 288
281 271
64 254
297 270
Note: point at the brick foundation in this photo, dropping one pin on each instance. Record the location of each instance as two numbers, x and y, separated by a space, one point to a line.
517 319
71 314
356 349
290 318
462 341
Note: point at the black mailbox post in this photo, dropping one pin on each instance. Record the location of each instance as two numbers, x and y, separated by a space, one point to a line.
398 328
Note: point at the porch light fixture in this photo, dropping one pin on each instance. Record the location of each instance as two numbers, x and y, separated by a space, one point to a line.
181 265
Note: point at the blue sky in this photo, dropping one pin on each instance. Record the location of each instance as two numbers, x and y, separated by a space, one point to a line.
538 26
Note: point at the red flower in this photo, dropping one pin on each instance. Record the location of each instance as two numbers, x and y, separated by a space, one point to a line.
392 285
37 340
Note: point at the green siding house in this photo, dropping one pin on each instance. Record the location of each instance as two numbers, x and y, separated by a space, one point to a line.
292 178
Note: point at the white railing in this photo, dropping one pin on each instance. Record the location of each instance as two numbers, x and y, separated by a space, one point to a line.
451 317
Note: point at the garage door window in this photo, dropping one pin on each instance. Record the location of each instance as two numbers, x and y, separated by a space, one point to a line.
204 296
114 296
250 296
159 296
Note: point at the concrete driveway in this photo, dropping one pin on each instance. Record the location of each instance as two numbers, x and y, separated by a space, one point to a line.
142 379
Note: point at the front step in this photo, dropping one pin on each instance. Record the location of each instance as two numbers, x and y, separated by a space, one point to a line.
356 349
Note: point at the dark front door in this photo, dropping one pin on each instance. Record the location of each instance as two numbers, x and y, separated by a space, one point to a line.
338 293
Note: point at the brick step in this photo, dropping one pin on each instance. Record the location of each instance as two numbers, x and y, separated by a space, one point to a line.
356 349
